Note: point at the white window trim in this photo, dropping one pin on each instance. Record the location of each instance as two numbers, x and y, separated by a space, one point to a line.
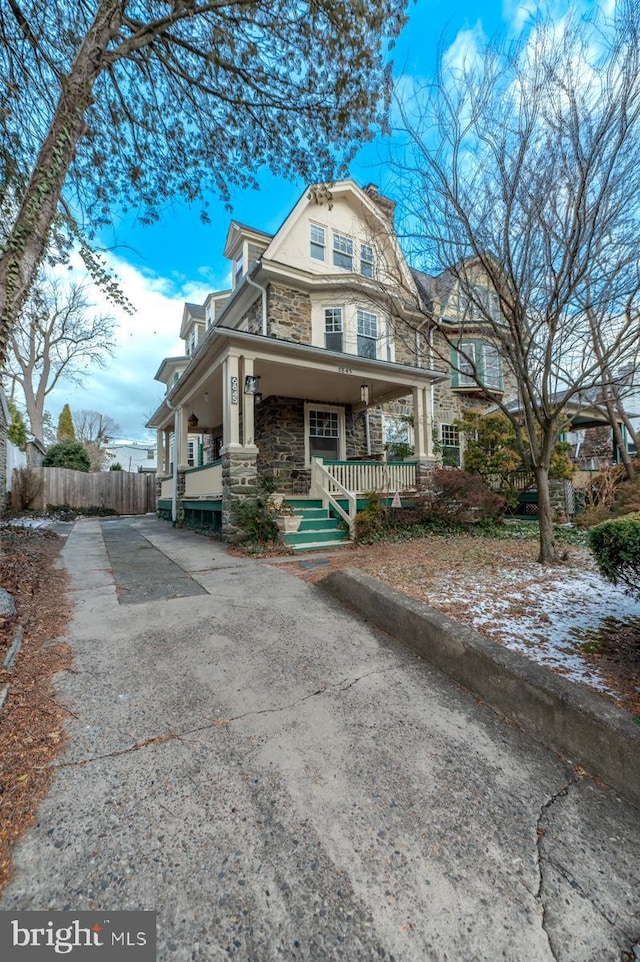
337 234
364 260
342 444
321 260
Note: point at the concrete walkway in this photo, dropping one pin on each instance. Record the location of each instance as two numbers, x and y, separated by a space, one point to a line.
280 782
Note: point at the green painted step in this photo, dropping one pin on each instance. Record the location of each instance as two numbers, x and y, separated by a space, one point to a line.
304 503
316 536
317 524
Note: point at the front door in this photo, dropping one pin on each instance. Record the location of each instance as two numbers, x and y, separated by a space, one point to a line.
325 426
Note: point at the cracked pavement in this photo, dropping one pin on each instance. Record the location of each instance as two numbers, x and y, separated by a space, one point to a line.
281 782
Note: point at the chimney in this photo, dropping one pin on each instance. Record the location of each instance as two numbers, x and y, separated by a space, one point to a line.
386 205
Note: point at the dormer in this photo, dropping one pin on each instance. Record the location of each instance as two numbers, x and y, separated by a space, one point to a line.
193 327
244 248
213 307
171 370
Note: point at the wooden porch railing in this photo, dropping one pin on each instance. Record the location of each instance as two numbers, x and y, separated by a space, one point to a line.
327 487
384 477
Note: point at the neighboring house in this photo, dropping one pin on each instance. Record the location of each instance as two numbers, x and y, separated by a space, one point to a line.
471 353
132 455
297 373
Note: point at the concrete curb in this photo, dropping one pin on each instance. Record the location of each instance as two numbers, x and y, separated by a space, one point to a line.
565 716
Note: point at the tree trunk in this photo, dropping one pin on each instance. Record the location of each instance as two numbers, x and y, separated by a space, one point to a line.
618 440
548 553
27 241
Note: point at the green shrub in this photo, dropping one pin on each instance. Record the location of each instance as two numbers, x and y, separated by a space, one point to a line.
373 520
67 454
93 511
257 520
616 548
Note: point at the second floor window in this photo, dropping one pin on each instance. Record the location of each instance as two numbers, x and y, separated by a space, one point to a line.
342 252
333 329
367 333
238 269
366 260
317 242
477 363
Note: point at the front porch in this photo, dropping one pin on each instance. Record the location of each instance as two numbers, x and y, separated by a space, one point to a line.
308 421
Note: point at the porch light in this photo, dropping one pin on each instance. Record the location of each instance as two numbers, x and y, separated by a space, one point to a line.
251 385
192 421
364 393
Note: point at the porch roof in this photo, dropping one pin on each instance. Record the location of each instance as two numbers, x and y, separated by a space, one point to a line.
289 369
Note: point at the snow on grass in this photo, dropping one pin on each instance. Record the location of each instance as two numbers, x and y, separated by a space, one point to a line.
545 614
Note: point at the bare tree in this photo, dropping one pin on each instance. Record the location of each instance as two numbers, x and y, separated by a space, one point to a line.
95 428
129 104
57 337
520 182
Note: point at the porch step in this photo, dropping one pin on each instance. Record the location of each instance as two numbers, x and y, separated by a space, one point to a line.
318 529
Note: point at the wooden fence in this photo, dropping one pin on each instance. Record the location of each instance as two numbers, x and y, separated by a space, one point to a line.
123 491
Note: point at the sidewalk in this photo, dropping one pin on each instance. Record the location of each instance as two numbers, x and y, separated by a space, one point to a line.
279 781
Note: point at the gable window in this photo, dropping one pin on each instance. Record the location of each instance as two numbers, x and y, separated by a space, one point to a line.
450 441
366 260
317 238
333 328
477 363
238 269
367 333
191 343
151 453
342 252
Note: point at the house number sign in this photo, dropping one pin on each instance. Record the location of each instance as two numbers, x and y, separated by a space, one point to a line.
234 390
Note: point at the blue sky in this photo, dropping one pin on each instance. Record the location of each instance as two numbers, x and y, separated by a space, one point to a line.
179 258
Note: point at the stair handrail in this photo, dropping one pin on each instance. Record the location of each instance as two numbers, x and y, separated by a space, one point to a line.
319 474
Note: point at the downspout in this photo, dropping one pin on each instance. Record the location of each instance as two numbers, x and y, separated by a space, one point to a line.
263 291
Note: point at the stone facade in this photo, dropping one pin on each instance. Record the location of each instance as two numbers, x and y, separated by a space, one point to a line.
280 439
239 483
356 433
252 320
289 314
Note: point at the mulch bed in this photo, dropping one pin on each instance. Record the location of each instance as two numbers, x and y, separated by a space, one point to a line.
31 720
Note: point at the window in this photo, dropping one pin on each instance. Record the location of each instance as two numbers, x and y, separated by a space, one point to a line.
342 252
191 343
238 269
317 242
477 362
491 367
397 440
450 441
333 328
367 333
151 453
323 434
191 453
366 260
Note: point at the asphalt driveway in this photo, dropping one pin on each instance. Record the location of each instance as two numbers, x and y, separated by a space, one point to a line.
280 782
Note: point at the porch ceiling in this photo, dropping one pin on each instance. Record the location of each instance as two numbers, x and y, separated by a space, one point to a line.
287 369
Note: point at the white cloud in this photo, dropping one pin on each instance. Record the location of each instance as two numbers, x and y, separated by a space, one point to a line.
125 389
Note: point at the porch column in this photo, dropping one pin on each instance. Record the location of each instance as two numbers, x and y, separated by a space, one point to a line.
160 452
248 404
166 467
231 389
181 434
423 434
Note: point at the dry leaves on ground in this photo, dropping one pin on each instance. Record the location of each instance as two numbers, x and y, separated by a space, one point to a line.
32 720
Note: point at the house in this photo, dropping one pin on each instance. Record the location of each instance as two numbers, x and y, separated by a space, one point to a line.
298 373
131 455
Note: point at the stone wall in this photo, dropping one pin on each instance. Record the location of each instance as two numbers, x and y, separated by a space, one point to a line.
356 433
239 482
280 439
289 314
252 320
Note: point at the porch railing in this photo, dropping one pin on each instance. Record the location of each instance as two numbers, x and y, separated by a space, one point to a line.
362 476
204 482
327 487
166 488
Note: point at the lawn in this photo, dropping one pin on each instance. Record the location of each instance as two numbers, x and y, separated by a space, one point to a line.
563 616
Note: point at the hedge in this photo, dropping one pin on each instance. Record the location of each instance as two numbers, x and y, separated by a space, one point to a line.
616 548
